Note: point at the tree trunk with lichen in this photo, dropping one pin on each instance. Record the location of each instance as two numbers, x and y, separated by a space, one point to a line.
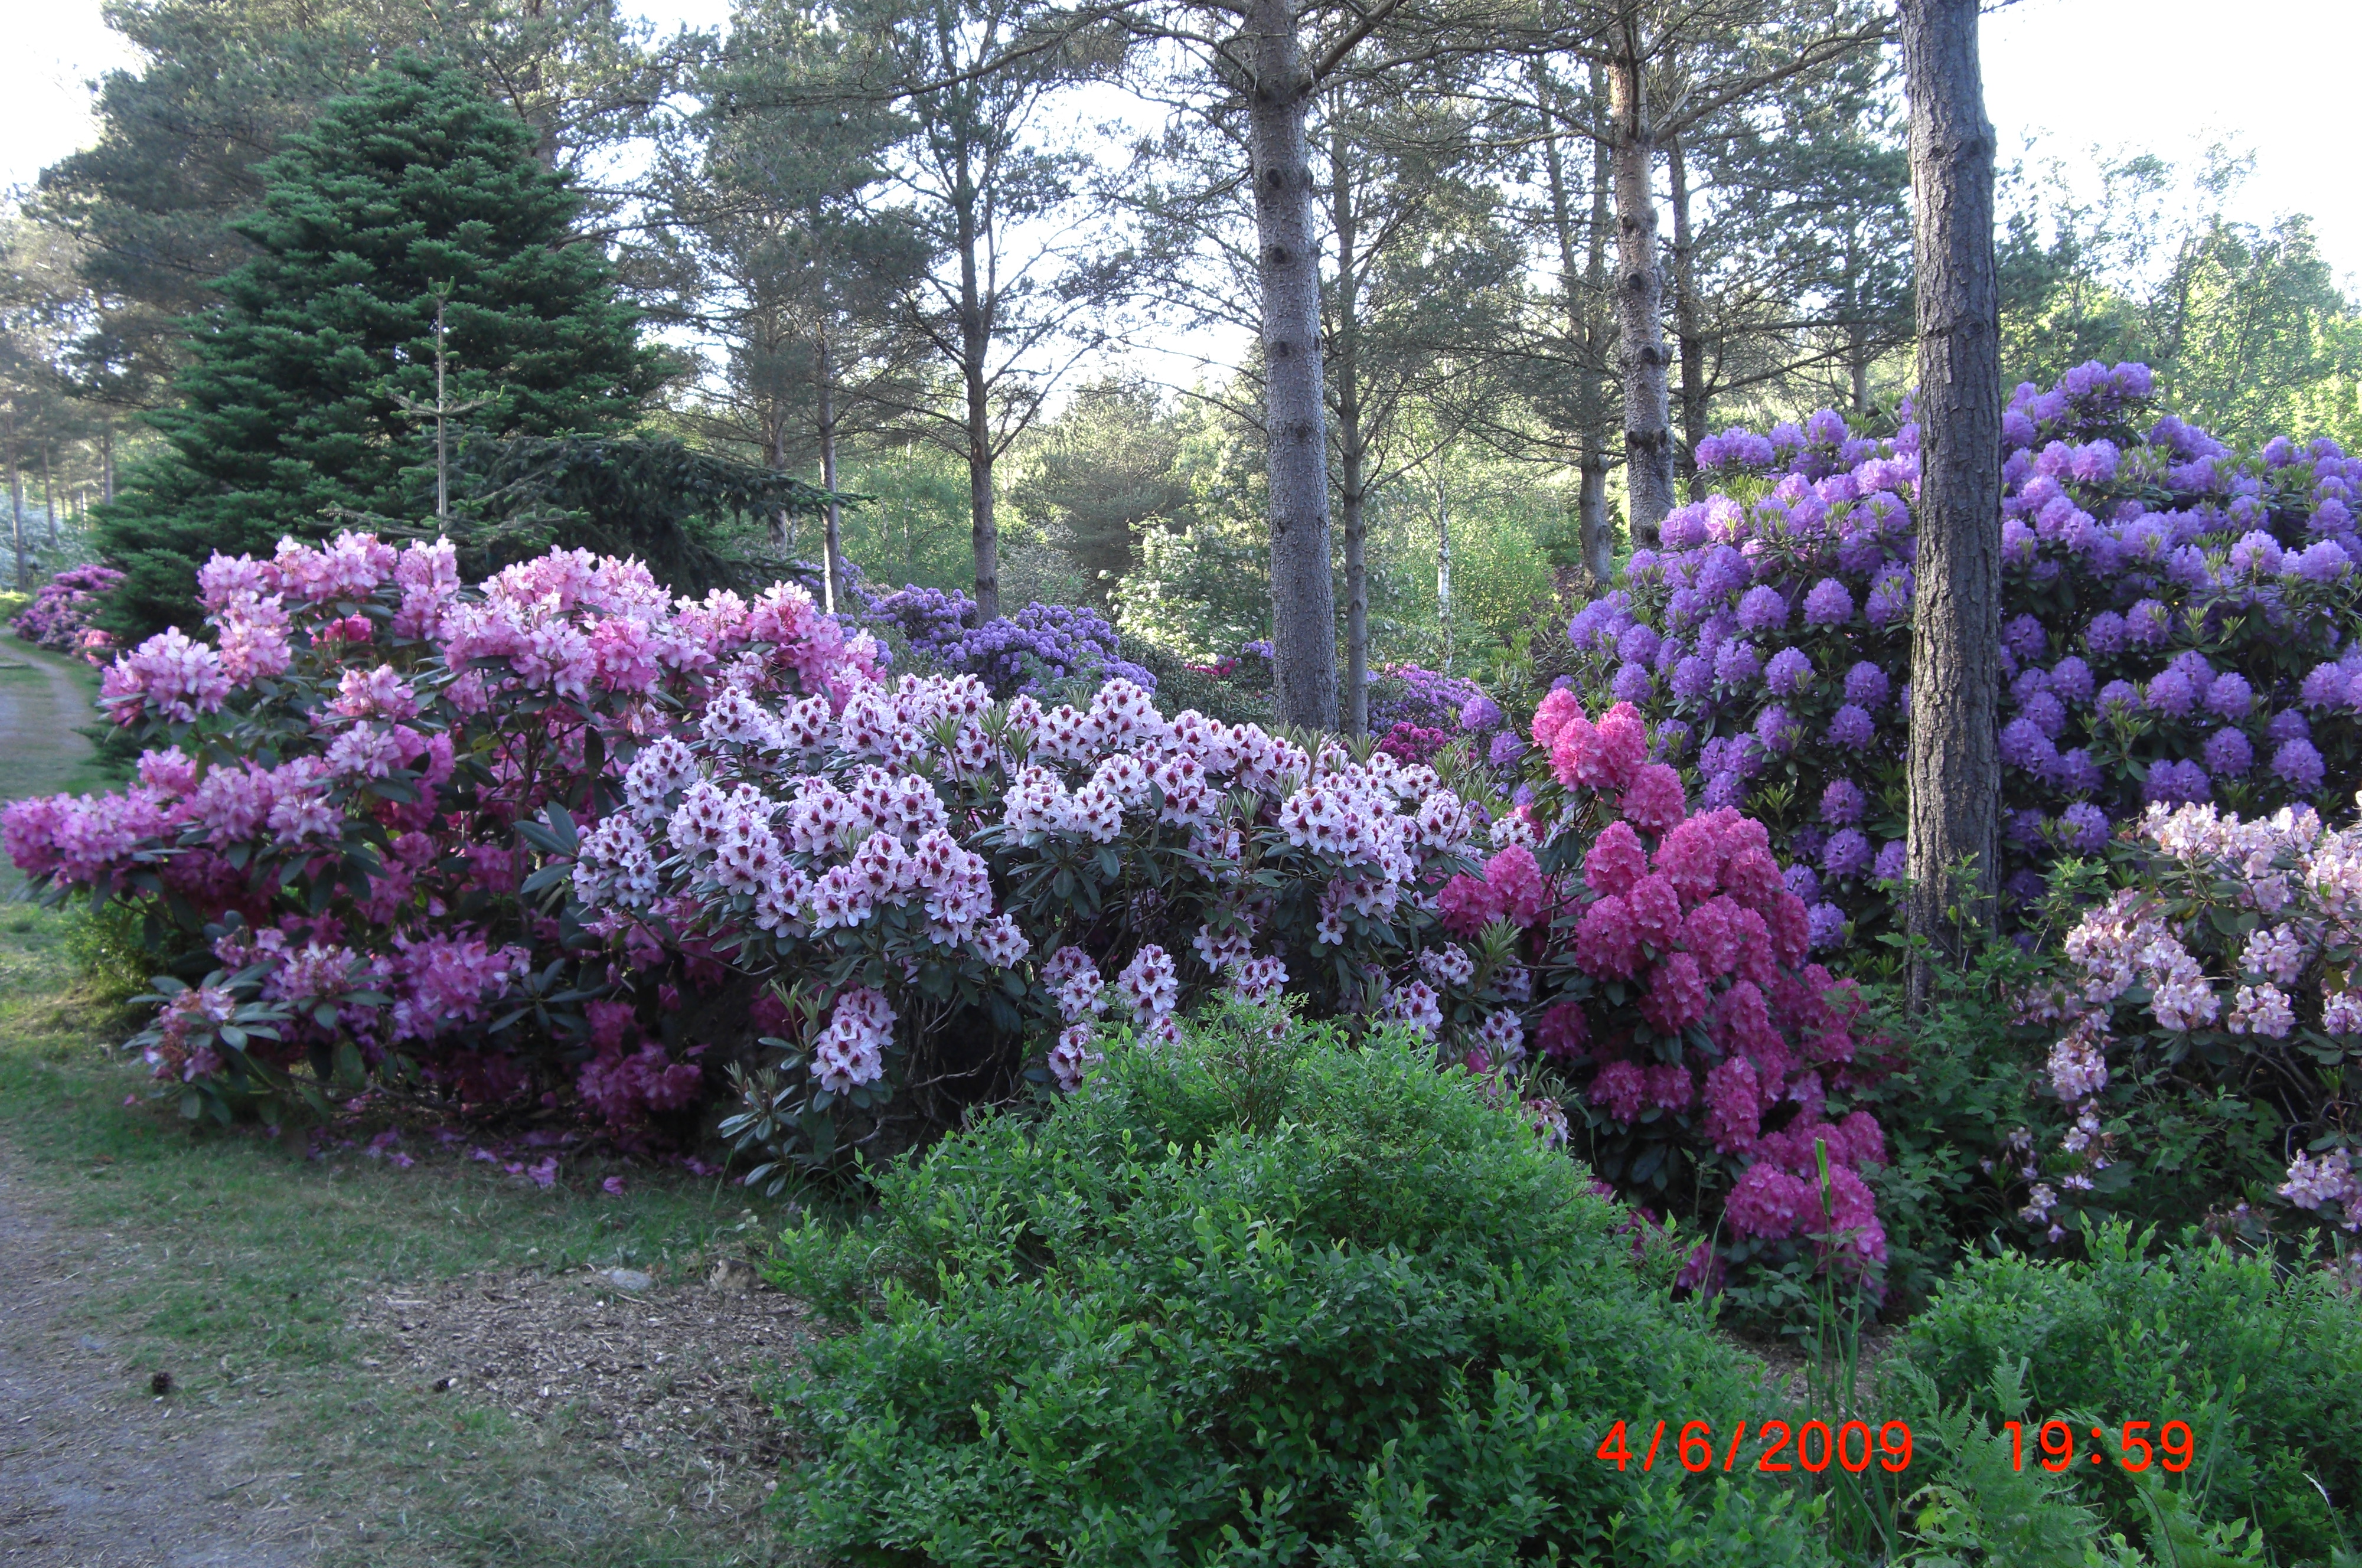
1639 295
1304 610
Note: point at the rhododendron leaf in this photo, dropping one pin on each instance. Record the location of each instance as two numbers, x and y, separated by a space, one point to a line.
193 1105
547 877
507 1020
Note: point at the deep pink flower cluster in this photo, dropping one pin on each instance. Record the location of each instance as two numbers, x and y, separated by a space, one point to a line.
1671 974
350 778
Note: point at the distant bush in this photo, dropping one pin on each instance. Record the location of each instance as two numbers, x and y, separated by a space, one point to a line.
60 614
1030 651
1257 1297
2265 1364
2179 625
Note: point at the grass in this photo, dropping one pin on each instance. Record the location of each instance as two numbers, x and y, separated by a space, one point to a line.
232 1260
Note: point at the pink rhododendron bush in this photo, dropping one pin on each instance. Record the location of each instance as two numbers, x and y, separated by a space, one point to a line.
337 813
1665 958
2205 1013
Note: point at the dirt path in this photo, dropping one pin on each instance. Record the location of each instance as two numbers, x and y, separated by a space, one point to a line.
44 702
94 1472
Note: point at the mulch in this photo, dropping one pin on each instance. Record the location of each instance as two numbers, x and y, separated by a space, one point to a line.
675 1368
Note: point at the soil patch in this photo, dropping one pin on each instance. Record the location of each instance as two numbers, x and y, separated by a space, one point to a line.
95 1470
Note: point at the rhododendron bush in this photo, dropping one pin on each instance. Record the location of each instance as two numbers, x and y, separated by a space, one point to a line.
337 805
2202 1026
60 615
922 869
559 832
1664 960
2179 625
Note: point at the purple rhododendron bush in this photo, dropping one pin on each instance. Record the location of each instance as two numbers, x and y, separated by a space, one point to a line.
2179 625
345 799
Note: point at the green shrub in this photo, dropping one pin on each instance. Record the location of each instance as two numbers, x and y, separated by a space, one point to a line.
109 949
1258 1299
1962 1081
2264 1364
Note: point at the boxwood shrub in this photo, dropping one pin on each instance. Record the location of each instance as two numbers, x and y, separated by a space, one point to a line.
1259 1298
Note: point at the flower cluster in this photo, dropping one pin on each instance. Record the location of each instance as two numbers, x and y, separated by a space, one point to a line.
972 871
2179 626
60 615
1041 644
1660 956
2227 959
348 794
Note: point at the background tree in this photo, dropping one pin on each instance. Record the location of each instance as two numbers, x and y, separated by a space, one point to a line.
1418 286
1669 66
776 243
1955 762
1106 470
990 174
154 203
414 183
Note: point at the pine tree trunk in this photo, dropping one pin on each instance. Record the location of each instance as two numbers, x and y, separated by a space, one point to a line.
774 458
49 492
107 458
1598 536
1303 613
976 347
1685 320
1955 765
1443 562
17 507
1580 285
1640 293
840 581
1352 453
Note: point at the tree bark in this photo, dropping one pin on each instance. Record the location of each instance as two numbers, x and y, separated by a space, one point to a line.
1444 561
1353 449
1685 320
107 458
1955 764
1581 285
1303 613
775 455
839 581
1639 292
49 491
1598 536
976 348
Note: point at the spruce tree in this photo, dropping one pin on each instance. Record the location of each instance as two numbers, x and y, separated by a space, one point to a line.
290 410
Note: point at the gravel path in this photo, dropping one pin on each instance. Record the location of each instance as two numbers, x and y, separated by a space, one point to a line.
94 1472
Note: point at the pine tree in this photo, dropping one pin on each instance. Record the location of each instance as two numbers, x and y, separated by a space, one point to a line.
290 408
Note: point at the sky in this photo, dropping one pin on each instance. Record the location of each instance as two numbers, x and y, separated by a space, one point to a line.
2165 76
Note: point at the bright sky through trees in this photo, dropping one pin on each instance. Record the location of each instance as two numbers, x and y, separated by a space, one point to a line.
2153 76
